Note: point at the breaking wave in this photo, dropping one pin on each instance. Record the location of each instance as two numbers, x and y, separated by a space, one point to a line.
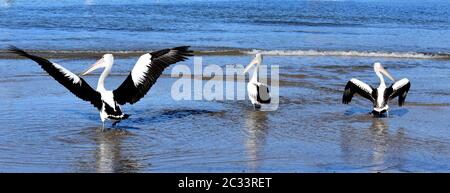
232 52
381 54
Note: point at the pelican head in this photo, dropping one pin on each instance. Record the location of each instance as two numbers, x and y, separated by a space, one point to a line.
105 62
257 60
378 68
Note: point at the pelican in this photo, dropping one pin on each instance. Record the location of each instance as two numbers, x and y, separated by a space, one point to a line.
144 74
379 96
257 92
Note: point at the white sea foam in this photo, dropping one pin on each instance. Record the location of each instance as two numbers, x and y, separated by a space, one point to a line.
416 55
231 52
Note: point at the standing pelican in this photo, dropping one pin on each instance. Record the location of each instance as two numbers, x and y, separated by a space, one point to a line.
257 92
144 74
379 96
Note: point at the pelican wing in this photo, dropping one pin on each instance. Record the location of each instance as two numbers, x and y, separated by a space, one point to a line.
144 75
400 89
72 82
356 86
263 94
259 92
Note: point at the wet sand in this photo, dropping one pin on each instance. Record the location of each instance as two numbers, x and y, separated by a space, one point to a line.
46 129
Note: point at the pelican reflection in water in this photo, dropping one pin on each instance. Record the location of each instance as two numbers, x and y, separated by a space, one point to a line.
256 126
377 146
111 155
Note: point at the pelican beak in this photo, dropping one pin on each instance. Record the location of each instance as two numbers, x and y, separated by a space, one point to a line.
253 62
256 60
386 73
93 67
249 66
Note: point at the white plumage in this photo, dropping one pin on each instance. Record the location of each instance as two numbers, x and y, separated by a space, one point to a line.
381 95
361 85
258 92
139 69
67 73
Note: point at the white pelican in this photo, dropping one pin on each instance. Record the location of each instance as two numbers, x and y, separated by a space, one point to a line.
379 96
144 74
257 92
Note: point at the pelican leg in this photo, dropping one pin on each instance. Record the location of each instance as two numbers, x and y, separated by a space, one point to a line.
115 123
103 126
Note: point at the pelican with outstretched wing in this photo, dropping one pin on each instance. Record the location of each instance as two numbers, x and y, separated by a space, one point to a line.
144 74
378 96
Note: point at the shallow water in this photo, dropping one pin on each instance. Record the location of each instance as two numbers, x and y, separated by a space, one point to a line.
319 46
46 129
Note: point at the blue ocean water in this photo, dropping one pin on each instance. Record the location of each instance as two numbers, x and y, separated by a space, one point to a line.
44 128
358 25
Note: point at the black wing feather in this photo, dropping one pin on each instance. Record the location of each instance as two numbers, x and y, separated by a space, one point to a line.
82 89
263 95
401 92
351 88
127 92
